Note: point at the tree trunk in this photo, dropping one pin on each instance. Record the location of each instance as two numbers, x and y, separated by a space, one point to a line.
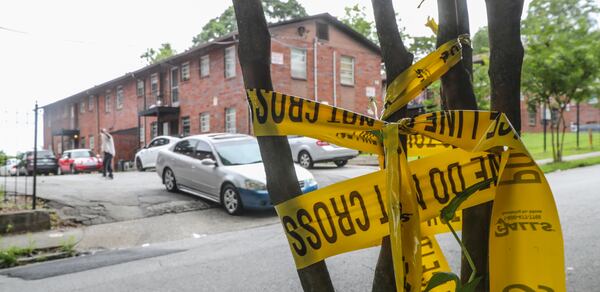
458 91
282 183
396 59
457 83
506 59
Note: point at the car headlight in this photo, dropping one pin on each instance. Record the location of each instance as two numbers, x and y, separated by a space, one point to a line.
311 182
255 185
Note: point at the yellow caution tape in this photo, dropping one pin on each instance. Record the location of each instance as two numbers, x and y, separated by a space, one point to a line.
405 199
421 74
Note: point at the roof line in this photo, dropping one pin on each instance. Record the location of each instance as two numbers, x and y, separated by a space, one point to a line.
326 16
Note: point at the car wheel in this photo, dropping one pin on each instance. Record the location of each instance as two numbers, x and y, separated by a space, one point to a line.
138 164
169 180
230 199
305 160
340 163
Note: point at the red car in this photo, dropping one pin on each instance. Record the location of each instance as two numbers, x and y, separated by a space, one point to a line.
79 160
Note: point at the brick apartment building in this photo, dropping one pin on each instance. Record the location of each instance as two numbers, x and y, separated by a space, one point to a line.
202 91
589 114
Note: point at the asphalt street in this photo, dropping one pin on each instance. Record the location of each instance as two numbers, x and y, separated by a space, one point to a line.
258 259
90 199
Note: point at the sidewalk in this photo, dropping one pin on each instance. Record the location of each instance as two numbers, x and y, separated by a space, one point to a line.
371 160
142 232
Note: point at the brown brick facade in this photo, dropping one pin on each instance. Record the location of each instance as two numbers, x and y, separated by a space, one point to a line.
214 93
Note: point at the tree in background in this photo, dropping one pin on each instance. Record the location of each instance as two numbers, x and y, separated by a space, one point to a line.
275 10
152 56
481 79
3 158
356 17
562 60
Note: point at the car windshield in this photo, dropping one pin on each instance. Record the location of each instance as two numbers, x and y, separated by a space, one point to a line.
81 154
238 152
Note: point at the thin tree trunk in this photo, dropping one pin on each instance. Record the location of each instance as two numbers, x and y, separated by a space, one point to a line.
282 183
457 82
459 94
396 59
506 60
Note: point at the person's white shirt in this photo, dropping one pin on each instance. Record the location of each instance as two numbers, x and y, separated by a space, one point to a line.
108 143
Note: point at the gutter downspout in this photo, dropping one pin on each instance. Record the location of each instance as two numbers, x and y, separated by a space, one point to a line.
315 67
334 81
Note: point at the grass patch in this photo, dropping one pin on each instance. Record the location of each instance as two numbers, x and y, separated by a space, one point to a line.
550 167
535 144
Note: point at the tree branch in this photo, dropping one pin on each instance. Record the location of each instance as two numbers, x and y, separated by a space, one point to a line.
396 59
254 55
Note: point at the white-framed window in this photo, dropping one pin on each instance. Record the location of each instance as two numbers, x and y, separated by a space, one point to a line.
347 70
175 86
205 122
82 107
120 96
230 120
185 126
107 101
90 103
532 117
140 87
298 63
204 66
230 62
185 71
154 85
92 142
153 130
143 133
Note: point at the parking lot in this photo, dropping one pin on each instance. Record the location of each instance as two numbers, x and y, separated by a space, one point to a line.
90 199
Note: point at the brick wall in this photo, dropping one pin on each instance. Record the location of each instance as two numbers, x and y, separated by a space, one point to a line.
214 93
588 114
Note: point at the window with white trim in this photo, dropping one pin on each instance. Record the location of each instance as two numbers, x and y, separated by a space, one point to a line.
153 130
298 63
92 142
90 103
154 85
230 62
204 66
140 87
120 96
532 117
107 101
185 126
175 85
185 71
230 120
347 70
143 133
204 122
82 107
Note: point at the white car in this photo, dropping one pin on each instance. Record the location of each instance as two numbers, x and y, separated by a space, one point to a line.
146 157
224 168
306 151
12 168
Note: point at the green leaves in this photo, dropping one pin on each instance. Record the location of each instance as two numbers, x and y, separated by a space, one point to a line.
441 278
447 213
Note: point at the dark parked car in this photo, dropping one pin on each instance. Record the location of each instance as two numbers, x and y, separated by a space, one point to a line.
46 162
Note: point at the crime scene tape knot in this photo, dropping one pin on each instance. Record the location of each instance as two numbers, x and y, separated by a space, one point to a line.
465 39
405 126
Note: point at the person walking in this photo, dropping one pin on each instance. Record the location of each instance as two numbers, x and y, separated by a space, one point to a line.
108 148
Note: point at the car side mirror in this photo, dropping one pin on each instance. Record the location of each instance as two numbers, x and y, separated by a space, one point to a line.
208 162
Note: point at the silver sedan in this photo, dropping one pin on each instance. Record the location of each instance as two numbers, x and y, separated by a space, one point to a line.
306 151
224 168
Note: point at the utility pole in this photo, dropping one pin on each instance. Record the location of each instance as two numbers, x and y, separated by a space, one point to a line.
35 127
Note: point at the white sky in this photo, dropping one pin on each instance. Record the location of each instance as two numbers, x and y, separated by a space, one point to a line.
64 47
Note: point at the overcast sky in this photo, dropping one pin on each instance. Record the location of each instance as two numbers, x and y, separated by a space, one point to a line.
53 49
